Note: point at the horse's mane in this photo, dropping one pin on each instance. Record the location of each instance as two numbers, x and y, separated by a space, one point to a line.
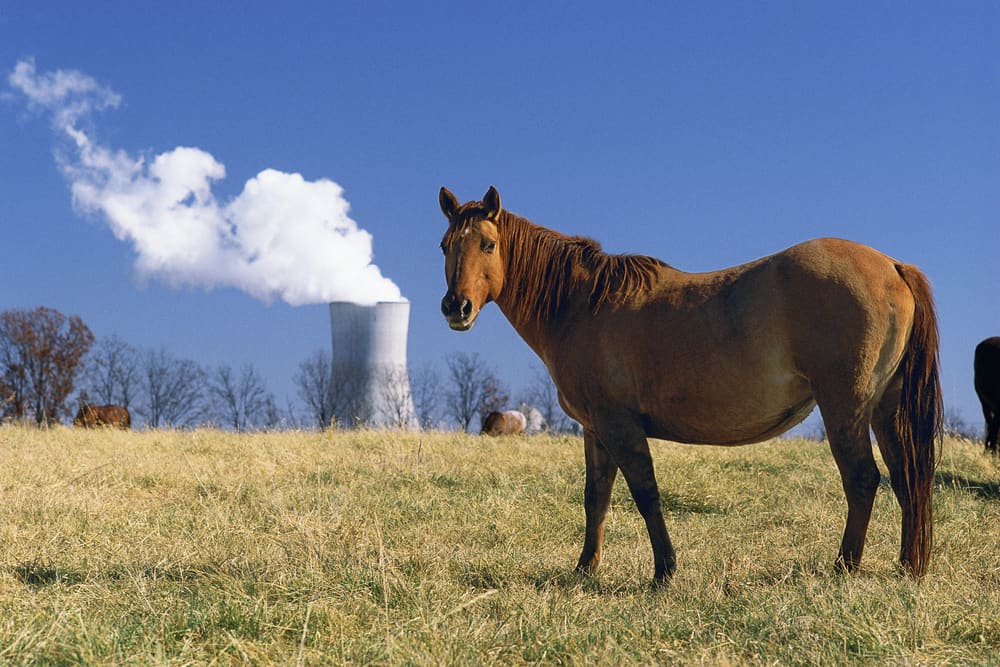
545 267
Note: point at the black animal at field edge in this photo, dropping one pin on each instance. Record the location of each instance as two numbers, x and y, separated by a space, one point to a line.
987 380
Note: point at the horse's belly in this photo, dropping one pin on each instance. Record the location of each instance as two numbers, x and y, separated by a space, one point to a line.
743 415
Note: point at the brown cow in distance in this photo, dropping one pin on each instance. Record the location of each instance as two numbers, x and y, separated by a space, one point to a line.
94 416
511 422
987 380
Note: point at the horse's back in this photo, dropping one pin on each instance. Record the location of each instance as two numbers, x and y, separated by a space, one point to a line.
732 356
91 416
825 293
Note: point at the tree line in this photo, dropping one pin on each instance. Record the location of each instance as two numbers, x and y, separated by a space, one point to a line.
51 363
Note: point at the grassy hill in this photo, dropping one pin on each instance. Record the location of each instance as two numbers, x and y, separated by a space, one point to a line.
441 548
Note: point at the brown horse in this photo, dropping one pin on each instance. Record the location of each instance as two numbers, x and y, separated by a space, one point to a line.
509 422
986 366
94 416
638 349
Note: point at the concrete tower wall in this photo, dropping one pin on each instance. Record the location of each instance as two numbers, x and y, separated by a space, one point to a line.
370 380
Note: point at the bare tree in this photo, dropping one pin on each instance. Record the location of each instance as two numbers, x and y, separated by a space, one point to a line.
243 401
293 419
171 388
270 416
14 392
462 400
495 396
425 384
395 400
542 395
475 389
314 382
41 353
956 425
112 372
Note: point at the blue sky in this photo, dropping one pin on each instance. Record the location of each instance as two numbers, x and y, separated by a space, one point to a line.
706 134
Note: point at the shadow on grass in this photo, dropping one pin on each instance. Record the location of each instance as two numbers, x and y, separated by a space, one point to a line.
557 578
675 503
568 579
37 574
985 490
788 574
565 578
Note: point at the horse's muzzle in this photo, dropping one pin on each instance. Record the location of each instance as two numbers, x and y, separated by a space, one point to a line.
459 312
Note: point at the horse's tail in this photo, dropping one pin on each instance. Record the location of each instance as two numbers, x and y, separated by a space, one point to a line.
918 424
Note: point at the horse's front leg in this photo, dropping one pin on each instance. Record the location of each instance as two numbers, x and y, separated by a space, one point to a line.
601 472
628 446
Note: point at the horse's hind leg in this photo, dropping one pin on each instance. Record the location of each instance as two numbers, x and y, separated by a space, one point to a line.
992 429
994 433
851 445
601 472
891 447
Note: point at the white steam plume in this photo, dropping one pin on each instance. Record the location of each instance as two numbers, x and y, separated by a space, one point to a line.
282 236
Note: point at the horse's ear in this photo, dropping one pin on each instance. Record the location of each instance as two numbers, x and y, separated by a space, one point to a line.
491 202
448 203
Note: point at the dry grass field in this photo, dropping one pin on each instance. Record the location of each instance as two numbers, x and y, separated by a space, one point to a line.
292 548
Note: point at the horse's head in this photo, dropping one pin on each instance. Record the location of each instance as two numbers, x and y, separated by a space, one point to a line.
472 259
85 416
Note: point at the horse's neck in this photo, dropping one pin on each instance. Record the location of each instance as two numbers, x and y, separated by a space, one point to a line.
536 327
531 330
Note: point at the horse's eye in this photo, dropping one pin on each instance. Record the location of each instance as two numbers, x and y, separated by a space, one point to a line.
489 246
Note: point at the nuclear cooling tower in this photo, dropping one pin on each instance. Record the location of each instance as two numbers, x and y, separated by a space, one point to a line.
370 384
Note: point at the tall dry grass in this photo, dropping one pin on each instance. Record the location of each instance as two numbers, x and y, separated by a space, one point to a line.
386 548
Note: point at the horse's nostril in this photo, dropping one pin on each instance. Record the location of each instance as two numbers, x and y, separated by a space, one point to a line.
452 305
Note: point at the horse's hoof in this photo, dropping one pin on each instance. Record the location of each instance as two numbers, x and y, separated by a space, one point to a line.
663 577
